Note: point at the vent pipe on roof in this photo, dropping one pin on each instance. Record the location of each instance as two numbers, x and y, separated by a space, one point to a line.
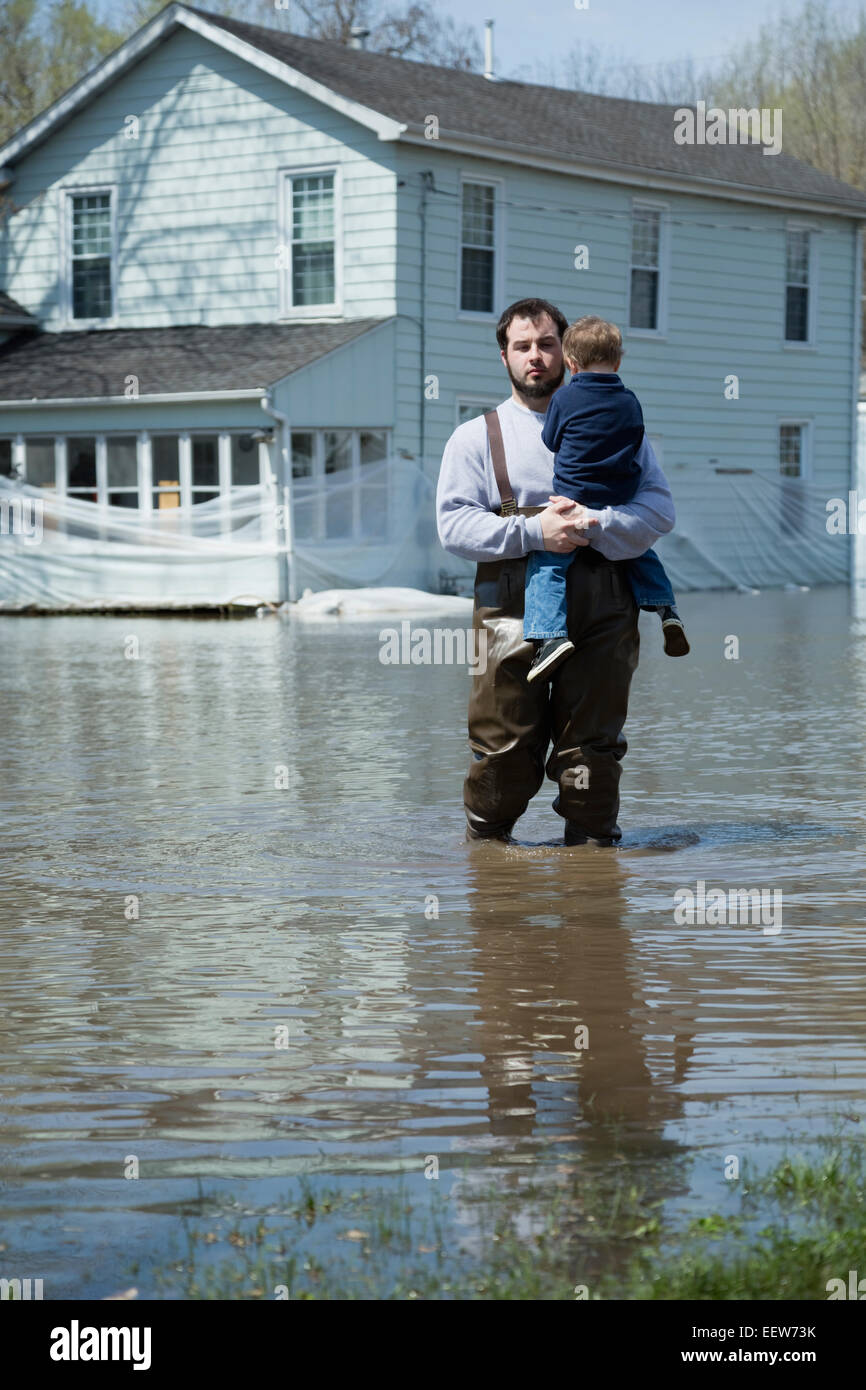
488 51
358 36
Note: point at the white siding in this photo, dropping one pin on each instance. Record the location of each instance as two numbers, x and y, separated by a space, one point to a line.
197 192
725 316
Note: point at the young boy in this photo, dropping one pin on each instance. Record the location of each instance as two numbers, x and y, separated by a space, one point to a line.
594 425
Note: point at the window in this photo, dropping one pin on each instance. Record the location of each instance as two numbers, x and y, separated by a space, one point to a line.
5 458
81 465
312 272
121 461
797 275
478 248
119 470
646 269
373 451
303 454
91 244
39 468
470 409
791 450
165 471
340 484
794 468
205 468
245 469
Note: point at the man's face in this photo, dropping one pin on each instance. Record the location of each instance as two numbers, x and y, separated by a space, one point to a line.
533 357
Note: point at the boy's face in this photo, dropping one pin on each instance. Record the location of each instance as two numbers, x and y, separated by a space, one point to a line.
533 356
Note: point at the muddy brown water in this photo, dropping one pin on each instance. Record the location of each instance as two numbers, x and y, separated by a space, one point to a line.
167 907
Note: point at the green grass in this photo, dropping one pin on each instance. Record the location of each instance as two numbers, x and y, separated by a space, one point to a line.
794 1228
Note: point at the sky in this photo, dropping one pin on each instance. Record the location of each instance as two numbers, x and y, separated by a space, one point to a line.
649 32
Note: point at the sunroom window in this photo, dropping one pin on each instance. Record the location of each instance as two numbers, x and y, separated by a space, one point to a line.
341 484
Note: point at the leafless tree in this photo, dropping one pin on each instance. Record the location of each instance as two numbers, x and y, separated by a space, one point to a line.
411 29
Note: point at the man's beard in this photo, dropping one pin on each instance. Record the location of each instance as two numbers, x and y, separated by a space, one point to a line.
535 390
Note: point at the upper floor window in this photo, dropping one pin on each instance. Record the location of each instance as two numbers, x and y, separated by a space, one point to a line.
797 276
478 248
311 251
91 255
645 298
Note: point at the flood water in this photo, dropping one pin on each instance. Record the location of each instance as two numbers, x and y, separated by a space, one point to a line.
256 825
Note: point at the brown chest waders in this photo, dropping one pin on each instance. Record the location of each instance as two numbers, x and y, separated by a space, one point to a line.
582 709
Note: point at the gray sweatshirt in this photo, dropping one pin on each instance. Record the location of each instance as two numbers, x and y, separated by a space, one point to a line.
467 492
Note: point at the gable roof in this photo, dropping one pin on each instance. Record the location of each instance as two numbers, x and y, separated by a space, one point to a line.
578 127
83 364
550 127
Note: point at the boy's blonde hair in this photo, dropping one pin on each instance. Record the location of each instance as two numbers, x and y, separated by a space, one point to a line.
592 340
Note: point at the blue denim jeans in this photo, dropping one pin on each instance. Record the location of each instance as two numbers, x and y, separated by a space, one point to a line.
545 612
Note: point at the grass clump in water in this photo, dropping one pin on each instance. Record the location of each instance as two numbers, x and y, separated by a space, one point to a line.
796 1227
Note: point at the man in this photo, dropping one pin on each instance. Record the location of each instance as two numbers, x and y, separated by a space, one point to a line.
583 710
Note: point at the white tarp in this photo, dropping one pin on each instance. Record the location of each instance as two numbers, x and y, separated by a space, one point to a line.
380 603
62 552
738 530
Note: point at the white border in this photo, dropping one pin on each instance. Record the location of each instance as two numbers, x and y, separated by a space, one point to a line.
498 186
809 344
66 193
806 423
287 310
661 329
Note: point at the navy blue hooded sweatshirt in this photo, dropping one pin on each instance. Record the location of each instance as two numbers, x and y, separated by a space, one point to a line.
594 426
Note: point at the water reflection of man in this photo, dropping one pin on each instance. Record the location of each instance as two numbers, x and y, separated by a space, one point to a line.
569 1043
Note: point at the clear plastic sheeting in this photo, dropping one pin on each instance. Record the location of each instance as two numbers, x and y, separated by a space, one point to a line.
747 530
380 530
374 528
59 552
62 552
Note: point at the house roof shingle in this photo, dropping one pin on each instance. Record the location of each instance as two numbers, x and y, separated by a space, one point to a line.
86 363
11 312
612 132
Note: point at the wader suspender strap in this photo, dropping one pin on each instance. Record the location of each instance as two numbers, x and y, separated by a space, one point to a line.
497 453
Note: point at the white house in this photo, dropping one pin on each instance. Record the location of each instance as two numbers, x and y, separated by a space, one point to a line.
251 283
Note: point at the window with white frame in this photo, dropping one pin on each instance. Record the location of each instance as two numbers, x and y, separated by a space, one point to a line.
470 408
80 468
794 439
340 484
121 467
645 295
91 252
165 471
40 466
205 471
312 271
126 470
478 248
798 256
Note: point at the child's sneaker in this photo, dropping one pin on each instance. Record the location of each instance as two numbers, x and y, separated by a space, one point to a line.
549 656
673 632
